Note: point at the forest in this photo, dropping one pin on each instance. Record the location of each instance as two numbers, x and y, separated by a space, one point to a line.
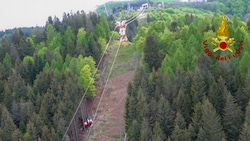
44 75
44 72
177 93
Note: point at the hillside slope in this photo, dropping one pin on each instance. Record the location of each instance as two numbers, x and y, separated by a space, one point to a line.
109 121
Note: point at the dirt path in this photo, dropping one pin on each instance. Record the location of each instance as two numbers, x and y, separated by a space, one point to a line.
109 123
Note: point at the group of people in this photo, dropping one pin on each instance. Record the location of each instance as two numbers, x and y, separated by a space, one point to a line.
88 123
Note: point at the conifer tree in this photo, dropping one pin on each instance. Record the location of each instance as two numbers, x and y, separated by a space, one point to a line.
205 67
7 96
131 111
151 53
244 96
244 63
152 109
54 136
158 134
45 133
198 87
145 131
165 116
195 124
211 128
142 105
180 132
7 125
232 119
81 41
17 135
50 33
217 93
183 104
134 131
240 90
245 132
69 39
180 120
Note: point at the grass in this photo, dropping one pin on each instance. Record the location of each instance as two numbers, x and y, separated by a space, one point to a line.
124 61
118 137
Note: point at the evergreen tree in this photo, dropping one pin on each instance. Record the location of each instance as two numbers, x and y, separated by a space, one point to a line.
155 85
183 104
38 123
139 75
245 132
244 95
198 87
30 134
217 93
134 131
180 132
142 105
94 48
151 53
165 116
69 41
158 134
17 135
180 120
145 132
205 67
232 119
81 41
7 96
50 33
195 124
211 128
54 136
7 125
243 64
152 109
131 112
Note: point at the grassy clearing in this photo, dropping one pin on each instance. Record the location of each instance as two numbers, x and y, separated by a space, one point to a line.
125 59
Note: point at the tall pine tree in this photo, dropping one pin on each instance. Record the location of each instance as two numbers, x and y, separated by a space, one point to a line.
151 53
211 128
232 119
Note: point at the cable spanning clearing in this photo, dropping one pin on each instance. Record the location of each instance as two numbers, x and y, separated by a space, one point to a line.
88 85
110 71
128 22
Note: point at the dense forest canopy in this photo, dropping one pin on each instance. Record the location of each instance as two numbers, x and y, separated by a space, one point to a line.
241 8
178 92
45 73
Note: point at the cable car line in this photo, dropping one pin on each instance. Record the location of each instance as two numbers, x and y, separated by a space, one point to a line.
79 105
88 85
110 71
